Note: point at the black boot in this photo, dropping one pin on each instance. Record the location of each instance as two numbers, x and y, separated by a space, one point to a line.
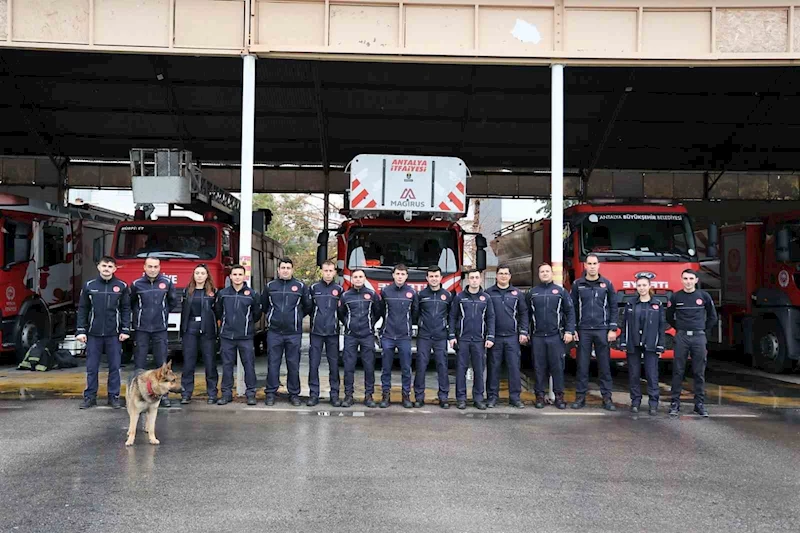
407 402
88 402
336 402
369 402
560 403
386 400
419 401
539 401
348 400
115 402
579 403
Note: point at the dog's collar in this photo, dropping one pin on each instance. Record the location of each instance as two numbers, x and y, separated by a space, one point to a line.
150 390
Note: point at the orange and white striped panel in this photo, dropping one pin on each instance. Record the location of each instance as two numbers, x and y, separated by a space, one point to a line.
456 199
360 196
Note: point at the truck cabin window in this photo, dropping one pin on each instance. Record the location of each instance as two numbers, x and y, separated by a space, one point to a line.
417 249
16 242
638 234
167 241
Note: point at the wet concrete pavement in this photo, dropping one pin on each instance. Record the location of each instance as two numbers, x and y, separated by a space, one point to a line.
241 468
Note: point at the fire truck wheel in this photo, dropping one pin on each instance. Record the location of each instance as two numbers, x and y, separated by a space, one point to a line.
770 347
30 328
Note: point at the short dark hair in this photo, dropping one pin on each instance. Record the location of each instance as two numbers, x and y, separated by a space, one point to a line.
107 259
152 257
689 271
357 270
434 268
237 266
283 260
503 266
592 255
472 270
400 267
328 262
544 264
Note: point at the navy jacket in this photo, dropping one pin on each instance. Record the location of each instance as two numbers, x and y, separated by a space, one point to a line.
643 326
359 309
691 311
433 313
398 306
472 316
510 311
551 310
104 308
208 318
324 308
238 311
285 303
151 302
595 304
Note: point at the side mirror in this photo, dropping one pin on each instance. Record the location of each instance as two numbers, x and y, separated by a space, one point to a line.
322 247
480 242
480 259
782 245
713 241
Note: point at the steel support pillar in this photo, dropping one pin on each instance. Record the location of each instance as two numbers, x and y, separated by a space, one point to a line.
557 179
246 214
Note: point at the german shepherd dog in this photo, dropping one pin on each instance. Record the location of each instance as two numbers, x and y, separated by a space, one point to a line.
144 394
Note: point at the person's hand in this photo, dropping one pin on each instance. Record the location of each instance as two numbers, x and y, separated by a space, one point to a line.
489 344
612 336
123 337
568 338
575 337
452 343
523 339
81 338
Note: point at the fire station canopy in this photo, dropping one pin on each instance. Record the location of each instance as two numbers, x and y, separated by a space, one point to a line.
728 132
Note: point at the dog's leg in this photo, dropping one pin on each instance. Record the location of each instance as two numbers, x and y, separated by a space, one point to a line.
151 423
134 418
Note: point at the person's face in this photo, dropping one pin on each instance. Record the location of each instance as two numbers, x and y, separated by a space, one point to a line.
106 269
237 276
328 272
643 286
592 266
152 267
285 271
200 276
474 280
689 281
503 277
400 276
358 279
545 273
434 279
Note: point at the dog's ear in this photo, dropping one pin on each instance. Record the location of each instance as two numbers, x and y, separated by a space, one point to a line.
169 365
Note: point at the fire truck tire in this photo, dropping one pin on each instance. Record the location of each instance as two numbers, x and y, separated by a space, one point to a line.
769 352
31 326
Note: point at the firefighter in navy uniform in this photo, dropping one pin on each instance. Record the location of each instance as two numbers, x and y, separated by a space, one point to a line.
552 326
153 296
472 328
238 308
325 296
199 333
432 319
104 323
398 305
691 312
285 302
595 302
510 330
359 309
643 330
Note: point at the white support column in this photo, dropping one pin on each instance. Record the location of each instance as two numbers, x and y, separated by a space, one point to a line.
246 213
557 179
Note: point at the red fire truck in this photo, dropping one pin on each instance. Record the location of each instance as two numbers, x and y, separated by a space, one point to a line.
180 242
47 253
630 240
403 209
759 277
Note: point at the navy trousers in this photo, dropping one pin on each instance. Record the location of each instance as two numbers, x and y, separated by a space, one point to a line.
505 349
597 339
143 340
331 344
404 352
95 347
424 347
650 373
474 352
279 345
350 355
246 350
207 345
548 360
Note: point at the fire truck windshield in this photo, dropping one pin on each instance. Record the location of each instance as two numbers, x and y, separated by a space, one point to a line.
416 248
166 241
646 236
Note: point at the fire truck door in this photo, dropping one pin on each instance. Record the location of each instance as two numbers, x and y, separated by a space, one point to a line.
54 275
